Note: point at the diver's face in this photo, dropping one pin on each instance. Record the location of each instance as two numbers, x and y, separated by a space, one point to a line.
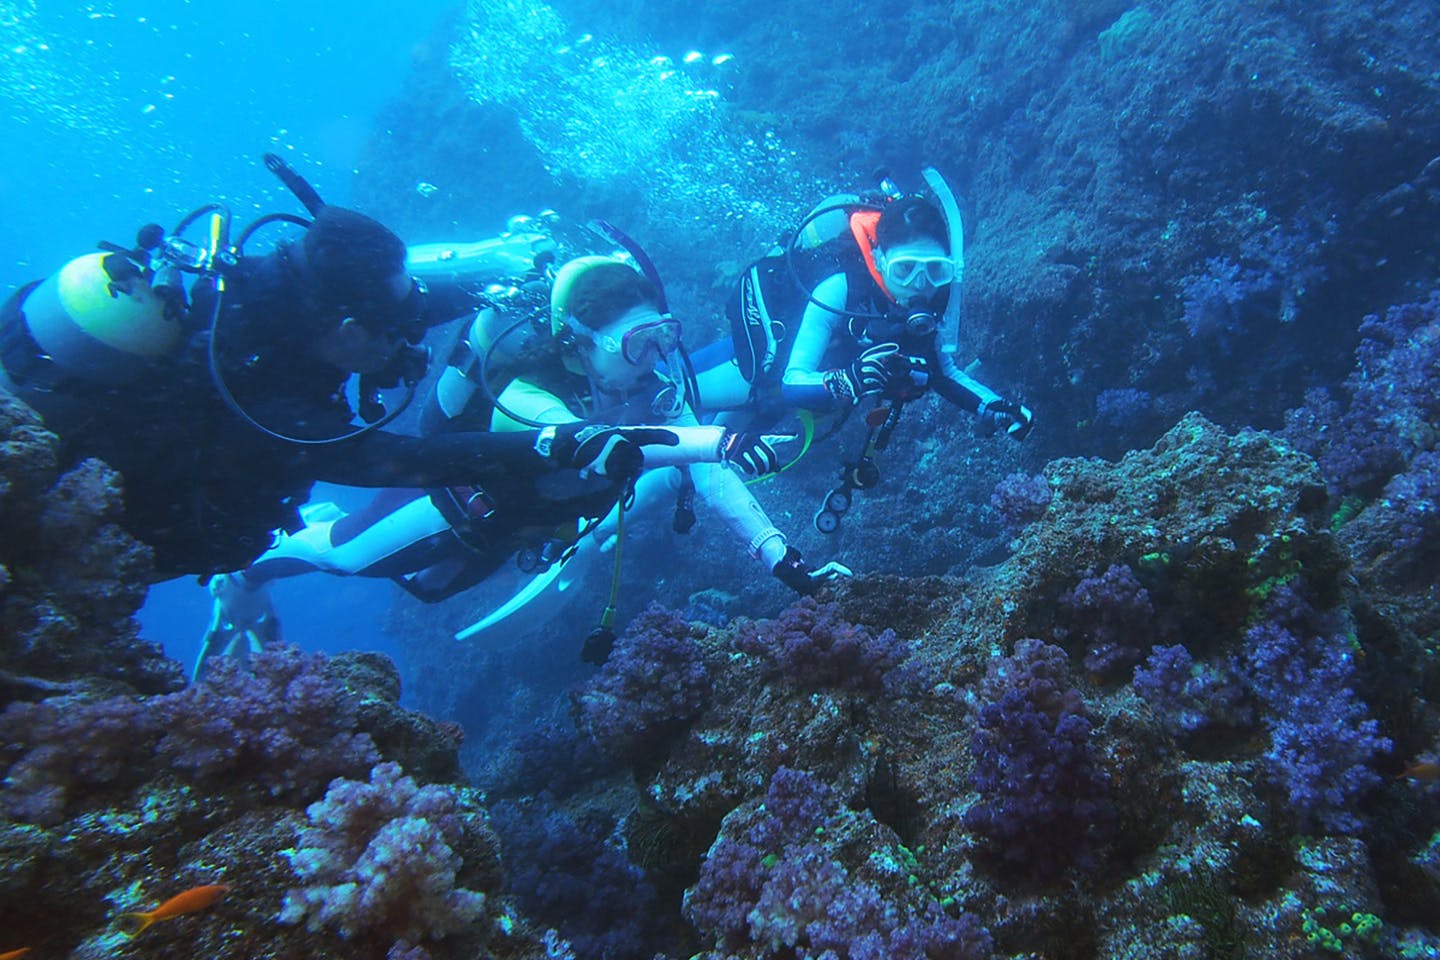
914 271
355 348
623 353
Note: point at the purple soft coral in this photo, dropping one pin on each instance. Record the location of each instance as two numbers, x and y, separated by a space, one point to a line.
1394 402
1301 666
286 727
1020 498
1188 696
653 684
1111 614
283 723
572 874
780 883
1043 804
381 856
815 646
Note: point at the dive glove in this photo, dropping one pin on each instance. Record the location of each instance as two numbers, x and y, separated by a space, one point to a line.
621 453
754 454
600 451
1014 418
795 573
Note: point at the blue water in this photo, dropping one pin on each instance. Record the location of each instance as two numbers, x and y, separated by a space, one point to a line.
118 114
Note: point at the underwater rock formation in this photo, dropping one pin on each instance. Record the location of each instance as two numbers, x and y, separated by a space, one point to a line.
956 761
71 579
115 804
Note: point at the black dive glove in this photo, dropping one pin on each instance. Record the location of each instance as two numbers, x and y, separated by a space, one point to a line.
1014 418
795 573
600 451
868 374
754 454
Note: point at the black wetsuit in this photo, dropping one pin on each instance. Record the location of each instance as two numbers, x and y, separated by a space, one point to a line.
204 488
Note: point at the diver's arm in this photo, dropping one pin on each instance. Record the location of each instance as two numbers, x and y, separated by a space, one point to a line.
727 494
804 383
967 393
380 459
959 387
721 488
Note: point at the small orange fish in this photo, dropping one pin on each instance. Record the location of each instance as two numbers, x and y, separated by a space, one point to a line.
1425 770
14 954
196 898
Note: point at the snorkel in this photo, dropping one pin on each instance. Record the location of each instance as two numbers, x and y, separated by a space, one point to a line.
949 337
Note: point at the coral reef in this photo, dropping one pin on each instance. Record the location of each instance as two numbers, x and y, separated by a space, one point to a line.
112 804
989 791
70 578
382 855
1162 705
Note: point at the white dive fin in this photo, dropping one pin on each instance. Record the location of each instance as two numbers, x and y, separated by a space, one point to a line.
538 600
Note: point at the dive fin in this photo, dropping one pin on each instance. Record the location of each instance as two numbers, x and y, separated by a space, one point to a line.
535 590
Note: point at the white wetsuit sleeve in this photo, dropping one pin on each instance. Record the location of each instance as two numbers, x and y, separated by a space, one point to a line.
804 381
722 490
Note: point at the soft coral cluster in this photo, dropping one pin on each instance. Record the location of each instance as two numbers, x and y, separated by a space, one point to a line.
1393 413
777 879
569 874
815 646
70 578
285 727
1043 803
383 856
1413 498
1187 695
1301 666
1020 497
58 745
652 685
1112 616
1274 270
283 724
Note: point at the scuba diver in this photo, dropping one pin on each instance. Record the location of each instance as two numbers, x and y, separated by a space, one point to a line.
215 382
604 346
862 301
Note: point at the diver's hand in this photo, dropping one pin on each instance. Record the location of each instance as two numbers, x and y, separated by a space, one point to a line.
869 374
1013 417
795 573
874 369
755 454
593 449
906 376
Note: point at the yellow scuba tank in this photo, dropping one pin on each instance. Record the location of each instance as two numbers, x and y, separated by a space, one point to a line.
827 220
96 327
